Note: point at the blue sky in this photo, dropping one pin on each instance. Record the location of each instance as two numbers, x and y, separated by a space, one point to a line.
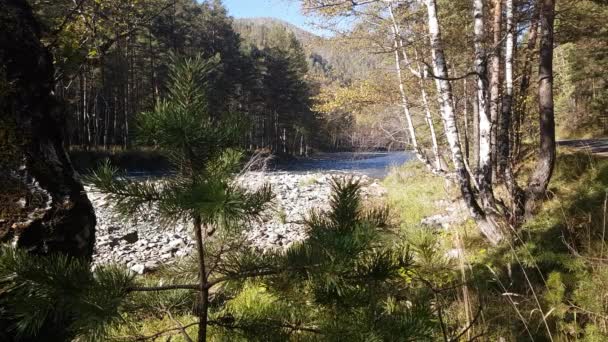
288 10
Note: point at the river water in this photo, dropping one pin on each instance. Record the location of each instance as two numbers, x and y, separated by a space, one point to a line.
372 164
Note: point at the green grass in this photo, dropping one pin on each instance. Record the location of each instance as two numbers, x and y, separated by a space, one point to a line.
413 192
562 251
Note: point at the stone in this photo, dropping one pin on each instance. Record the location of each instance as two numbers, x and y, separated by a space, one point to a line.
151 265
145 242
138 268
131 237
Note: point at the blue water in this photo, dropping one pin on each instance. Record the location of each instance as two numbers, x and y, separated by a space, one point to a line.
372 164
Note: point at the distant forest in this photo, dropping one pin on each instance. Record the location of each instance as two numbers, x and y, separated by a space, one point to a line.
112 63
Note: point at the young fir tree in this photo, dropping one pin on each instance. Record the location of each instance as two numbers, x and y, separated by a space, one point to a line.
350 280
202 190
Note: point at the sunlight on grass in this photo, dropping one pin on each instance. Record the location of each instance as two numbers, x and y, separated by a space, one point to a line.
413 192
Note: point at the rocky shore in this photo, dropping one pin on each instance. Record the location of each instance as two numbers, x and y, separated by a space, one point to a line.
142 243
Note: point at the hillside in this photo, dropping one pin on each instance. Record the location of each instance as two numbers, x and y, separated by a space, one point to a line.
336 59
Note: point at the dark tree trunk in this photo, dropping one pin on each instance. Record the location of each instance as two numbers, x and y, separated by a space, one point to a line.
546 154
203 300
520 105
43 206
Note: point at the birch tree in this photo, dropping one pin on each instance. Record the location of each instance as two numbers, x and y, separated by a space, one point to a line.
507 101
484 174
444 90
420 75
399 46
495 58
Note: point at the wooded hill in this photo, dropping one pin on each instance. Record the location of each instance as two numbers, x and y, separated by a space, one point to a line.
333 63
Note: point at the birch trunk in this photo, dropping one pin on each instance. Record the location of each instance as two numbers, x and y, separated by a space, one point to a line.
429 121
418 73
505 118
429 117
487 226
484 176
465 114
404 100
516 193
546 154
495 100
475 103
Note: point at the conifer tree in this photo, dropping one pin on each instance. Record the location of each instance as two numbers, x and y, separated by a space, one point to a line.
202 190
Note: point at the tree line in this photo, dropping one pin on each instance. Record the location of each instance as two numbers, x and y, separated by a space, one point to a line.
112 60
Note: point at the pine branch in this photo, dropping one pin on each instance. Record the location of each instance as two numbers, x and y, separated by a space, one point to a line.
163 288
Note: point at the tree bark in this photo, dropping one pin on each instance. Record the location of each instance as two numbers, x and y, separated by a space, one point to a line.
545 163
418 73
465 115
429 117
495 100
484 176
475 102
404 101
203 302
505 122
521 103
444 90
505 161
43 206
54 213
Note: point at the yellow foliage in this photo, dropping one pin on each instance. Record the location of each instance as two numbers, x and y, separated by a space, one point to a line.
352 98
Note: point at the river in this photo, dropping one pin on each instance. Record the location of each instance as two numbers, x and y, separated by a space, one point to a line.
372 164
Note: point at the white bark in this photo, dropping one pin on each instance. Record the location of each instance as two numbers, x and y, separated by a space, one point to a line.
429 121
509 49
444 90
507 103
484 178
495 99
418 73
404 100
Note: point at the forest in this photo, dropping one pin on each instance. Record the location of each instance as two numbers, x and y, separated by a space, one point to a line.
408 170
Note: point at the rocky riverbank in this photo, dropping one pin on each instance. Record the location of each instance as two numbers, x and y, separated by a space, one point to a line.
143 244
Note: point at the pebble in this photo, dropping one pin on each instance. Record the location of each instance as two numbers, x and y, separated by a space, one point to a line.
143 244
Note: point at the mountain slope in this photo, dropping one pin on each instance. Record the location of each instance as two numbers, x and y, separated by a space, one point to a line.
330 56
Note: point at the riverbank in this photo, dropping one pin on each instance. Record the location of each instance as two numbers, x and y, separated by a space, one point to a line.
143 243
